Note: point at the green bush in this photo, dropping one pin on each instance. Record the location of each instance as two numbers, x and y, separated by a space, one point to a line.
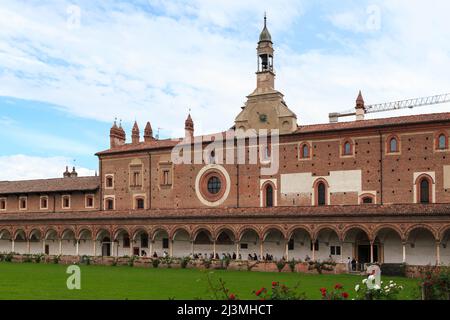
184 262
280 265
292 263
155 263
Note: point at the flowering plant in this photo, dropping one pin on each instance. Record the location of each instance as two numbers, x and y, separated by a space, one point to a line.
338 293
435 285
279 292
219 289
378 291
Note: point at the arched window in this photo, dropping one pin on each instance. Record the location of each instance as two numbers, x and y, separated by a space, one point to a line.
424 188
109 182
347 148
109 205
442 142
305 151
269 196
321 194
393 145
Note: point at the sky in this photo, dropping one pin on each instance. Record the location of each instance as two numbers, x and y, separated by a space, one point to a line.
69 68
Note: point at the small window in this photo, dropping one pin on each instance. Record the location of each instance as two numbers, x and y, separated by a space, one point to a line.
347 148
136 179
291 244
44 203
2 204
442 142
109 182
304 151
165 243
139 203
126 241
166 177
335 250
367 200
109 204
23 203
244 245
66 202
393 145
316 245
89 202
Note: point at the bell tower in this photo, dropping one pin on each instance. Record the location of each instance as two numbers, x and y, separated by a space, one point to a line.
265 75
265 107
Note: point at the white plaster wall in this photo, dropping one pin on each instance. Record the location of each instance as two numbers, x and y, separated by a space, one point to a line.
69 247
36 247
274 245
339 181
445 254
424 251
85 247
392 249
5 246
20 247
252 241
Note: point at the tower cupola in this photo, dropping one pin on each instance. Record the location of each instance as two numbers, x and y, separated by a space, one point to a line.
135 134
189 127
148 132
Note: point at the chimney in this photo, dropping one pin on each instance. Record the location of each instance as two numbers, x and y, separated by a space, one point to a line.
360 110
116 135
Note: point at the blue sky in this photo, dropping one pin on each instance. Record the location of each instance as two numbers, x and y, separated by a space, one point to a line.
68 68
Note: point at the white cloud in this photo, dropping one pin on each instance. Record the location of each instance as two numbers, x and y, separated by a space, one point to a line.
22 167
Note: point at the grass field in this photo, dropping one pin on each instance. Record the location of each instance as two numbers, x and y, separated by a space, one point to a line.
48 281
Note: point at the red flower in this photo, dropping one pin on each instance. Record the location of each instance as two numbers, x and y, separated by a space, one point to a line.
232 297
258 293
338 286
323 291
274 284
344 295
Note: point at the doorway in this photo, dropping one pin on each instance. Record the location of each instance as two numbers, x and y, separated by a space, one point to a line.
106 247
364 253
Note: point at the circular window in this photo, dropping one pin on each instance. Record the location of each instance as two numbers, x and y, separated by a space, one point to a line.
214 185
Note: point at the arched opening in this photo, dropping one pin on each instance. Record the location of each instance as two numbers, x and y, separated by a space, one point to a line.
298 245
358 248
225 244
320 193
103 243
35 242
140 244
274 246
20 242
182 245
68 243
390 249
393 145
347 148
86 243
442 142
203 244
51 242
5 241
445 247
161 245
328 246
249 245
421 247
122 243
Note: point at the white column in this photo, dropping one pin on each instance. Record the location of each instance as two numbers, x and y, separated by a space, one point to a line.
131 247
43 246
171 248
151 247
342 250
237 250
112 249
287 249
95 247
313 250
77 248
404 252
28 246
438 253
261 249
371 251
12 245
60 246
192 248
214 249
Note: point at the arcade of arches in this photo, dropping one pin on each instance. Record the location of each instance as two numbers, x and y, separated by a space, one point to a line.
417 244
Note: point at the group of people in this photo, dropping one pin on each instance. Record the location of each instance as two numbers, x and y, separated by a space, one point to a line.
352 264
211 256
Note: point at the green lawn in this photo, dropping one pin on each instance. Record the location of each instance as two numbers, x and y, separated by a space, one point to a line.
48 281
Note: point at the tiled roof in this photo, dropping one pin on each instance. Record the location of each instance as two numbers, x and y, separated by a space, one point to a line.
383 122
315 128
397 210
50 185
